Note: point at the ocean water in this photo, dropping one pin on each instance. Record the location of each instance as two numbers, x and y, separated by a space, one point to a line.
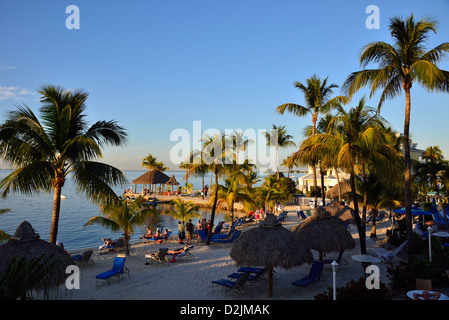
76 210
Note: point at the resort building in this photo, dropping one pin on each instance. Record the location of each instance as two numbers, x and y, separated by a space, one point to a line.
305 183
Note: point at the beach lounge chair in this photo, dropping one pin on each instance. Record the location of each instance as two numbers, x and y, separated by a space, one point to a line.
234 236
301 213
255 274
184 253
385 255
236 286
315 273
158 257
218 228
84 258
118 268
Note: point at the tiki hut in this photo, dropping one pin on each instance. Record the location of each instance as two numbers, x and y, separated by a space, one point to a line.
26 243
270 245
172 182
324 232
151 178
334 192
344 213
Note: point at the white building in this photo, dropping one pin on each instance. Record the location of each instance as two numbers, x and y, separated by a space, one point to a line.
330 179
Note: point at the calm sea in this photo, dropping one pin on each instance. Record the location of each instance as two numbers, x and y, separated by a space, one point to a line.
76 210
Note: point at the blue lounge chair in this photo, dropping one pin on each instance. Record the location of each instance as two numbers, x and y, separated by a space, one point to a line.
117 270
234 236
86 257
218 228
234 286
315 273
255 274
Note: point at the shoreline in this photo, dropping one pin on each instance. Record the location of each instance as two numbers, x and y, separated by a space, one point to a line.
190 279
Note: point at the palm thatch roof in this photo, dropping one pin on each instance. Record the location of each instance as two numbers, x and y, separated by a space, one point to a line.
324 232
333 192
152 177
172 181
26 243
270 245
344 213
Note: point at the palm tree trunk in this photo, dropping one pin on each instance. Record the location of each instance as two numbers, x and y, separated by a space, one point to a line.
58 183
315 184
323 196
214 206
55 217
339 185
365 196
407 196
357 219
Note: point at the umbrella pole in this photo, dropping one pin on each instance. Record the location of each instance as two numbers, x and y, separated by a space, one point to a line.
270 282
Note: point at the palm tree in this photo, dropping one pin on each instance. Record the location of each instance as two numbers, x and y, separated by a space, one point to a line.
289 163
357 140
236 188
182 211
44 152
149 162
317 95
278 137
269 192
124 216
215 154
240 143
400 65
433 154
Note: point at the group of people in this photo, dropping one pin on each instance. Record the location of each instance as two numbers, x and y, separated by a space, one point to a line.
158 234
204 192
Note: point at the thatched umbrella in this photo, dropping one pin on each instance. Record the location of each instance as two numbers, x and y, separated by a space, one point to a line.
172 181
270 245
152 177
334 192
344 213
26 243
324 232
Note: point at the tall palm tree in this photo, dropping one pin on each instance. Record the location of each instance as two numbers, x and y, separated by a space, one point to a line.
357 133
400 65
124 216
233 191
240 143
317 96
433 154
43 152
149 162
278 137
216 155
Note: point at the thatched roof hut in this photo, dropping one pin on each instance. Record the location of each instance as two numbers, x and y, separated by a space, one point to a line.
324 232
26 243
152 177
172 182
270 245
333 192
344 213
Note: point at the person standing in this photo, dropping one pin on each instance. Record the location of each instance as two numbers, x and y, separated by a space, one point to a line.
181 232
189 231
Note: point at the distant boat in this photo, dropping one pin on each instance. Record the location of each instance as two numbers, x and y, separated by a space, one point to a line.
63 196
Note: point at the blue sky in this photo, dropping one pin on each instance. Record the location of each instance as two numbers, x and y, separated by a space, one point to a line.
156 66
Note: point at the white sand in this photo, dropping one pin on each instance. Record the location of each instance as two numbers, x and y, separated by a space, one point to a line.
190 279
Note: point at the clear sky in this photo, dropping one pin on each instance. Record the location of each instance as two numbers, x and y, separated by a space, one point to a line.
156 66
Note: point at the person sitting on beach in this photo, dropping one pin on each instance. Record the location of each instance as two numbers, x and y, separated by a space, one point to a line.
165 233
107 243
157 234
149 234
426 295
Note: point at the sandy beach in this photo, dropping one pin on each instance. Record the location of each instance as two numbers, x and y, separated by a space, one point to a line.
190 279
